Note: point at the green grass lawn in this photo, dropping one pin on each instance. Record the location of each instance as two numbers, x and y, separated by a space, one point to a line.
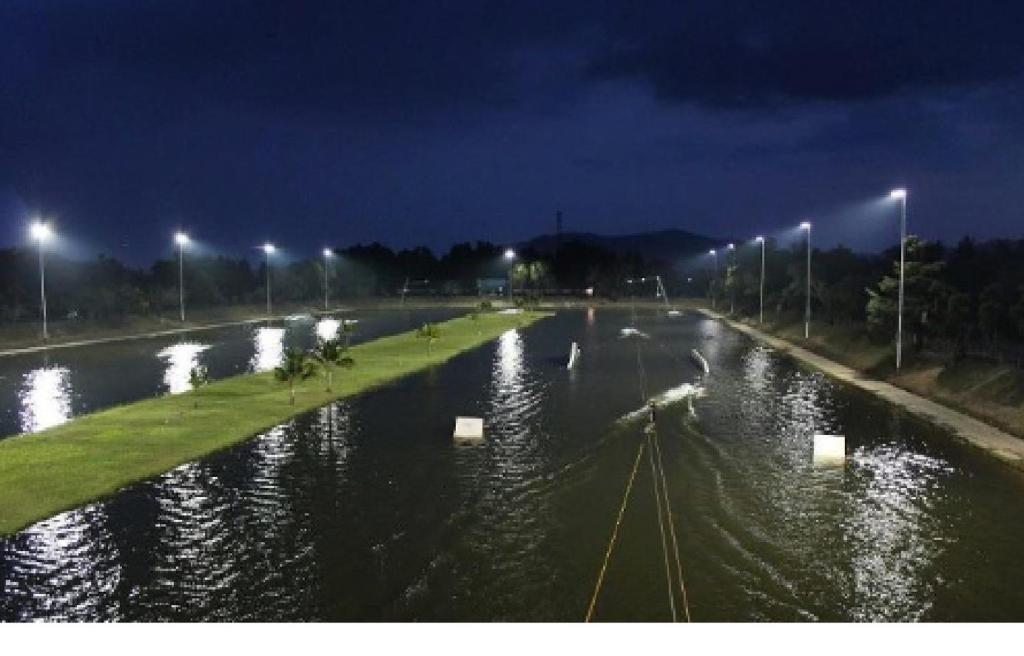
95 455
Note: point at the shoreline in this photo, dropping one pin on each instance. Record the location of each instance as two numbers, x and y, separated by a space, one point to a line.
1003 445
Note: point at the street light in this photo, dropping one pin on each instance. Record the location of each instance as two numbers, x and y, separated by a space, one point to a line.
268 249
900 195
181 239
714 294
42 233
806 225
732 294
760 239
510 256
328 254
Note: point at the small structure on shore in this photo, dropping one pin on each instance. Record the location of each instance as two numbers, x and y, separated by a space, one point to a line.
574 355
829 449
468 430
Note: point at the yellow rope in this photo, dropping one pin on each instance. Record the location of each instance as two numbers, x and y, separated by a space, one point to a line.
671 525
615 533
661 528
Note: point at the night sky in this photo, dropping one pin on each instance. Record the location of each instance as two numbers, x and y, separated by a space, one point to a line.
426 122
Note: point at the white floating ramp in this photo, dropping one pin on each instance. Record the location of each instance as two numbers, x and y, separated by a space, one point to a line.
699 360
468 430
829 449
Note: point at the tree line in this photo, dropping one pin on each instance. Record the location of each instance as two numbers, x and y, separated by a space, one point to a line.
105 288
960 300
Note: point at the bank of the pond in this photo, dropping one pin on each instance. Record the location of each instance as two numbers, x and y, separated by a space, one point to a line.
97 454
1003 445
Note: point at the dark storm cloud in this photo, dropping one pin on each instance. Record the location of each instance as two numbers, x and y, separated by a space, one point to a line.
751 53
426 121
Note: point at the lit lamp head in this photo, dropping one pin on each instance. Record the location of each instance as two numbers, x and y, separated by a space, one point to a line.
268 248
898 194
806 225
759 239
712 252
732 247
328 253
181 239
40 231
510 254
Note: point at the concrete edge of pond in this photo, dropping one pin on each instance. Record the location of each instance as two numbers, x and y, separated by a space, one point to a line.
999 443
95 455
151 334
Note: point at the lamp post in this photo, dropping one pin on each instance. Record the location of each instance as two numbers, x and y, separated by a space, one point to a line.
714 295
761 302
181 239
732 293
268 249
806 225
41 233
510 256
328 254
900 195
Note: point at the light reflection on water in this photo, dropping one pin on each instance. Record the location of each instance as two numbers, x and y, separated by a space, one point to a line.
892 532
268 342
72 567
327 329
45 397
181 359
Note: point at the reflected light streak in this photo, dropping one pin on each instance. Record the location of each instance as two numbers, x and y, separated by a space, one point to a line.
327 329
181 358
269 345
45 397
510 358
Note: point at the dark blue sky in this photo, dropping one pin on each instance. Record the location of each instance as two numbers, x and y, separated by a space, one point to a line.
426 122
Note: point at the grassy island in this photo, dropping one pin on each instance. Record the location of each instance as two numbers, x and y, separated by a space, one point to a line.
97 454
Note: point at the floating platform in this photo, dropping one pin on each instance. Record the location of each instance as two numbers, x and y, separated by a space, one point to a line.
468 430
829 449
700 361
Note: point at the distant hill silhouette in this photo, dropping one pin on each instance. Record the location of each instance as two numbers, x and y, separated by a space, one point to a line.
660 245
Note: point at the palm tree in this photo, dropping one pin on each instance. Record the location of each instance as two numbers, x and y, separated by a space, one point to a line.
430 332
197 377
333 353
296 366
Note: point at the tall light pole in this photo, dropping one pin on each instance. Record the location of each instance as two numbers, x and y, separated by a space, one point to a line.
900 195
268 250
42 233
510 256
806 225
181 239
761 304
714 295
732 293
328 254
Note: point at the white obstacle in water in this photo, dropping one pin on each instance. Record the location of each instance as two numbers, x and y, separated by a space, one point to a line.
574 355
699 360
632 332
829 449
468 430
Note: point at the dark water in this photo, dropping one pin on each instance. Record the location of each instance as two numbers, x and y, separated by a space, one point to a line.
365 511
42 390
